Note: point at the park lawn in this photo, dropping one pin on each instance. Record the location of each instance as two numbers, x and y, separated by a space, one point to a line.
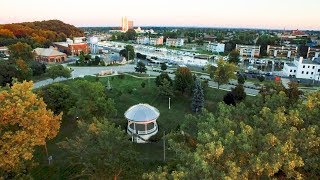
126 91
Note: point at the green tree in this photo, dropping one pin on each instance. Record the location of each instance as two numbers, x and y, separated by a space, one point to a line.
21 51
224 72
59 71
239 93
37 68
128 50
198 97
58 97
131 34
165 89
183 81
164 67
96 60
293 93
91 101
161 77
234 56
102 150
241 79
141 67
253 141
7 73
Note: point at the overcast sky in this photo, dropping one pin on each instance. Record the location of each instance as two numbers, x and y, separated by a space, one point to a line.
280 14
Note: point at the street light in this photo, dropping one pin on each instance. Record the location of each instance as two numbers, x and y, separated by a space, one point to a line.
169 102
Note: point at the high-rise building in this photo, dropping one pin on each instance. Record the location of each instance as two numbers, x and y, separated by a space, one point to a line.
130 24
124 24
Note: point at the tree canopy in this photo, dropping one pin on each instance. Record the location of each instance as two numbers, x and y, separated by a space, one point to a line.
183 80
102 150
59 71
141 67
259 139
224 72
24 124
128 50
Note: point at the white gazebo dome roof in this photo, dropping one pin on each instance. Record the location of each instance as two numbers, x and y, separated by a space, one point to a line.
142 113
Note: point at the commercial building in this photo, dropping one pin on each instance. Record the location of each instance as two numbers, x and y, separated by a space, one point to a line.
124 24
282 51
130 24
72 47
49 55
303 68
216 47
313 52
248 50
175 42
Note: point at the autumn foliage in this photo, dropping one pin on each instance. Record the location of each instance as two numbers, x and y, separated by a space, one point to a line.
38 33
24 123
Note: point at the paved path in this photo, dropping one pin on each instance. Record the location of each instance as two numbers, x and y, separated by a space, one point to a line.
85 71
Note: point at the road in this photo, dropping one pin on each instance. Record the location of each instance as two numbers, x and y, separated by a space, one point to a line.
85 71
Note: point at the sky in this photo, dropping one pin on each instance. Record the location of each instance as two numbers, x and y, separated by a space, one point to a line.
269 14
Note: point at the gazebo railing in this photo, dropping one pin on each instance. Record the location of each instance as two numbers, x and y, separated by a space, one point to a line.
149 131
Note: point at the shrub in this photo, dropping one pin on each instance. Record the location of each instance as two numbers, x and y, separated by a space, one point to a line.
121 76
261 78
143 84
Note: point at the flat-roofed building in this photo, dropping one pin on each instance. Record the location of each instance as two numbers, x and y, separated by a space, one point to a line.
179 42
72 47
303 68
156 41
248 50
216 47
282 51
313 52
4 51
143 40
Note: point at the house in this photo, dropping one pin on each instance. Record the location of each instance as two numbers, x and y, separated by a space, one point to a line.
303 68
248 50
216 47
49 55
282 51
179 42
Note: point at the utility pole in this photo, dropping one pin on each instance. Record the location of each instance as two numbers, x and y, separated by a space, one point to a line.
164 146
169 103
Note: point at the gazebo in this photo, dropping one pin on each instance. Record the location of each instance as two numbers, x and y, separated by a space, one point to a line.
142 122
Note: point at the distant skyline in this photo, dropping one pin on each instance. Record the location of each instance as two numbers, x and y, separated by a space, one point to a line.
267 14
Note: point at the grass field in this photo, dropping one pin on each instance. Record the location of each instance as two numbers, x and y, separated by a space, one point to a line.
126 91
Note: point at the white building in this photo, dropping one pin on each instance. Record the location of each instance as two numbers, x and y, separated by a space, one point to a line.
175 42
143 40
301 68
248 50
216 47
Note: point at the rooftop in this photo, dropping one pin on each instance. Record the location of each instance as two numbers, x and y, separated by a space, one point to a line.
48 52
142 113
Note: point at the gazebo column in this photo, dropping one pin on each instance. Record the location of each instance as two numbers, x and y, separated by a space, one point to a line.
145 127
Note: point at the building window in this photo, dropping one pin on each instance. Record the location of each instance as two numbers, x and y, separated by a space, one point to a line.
318 70
302 72
303 66
295 70
307 72
308 66
313 67
290 70
311 73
